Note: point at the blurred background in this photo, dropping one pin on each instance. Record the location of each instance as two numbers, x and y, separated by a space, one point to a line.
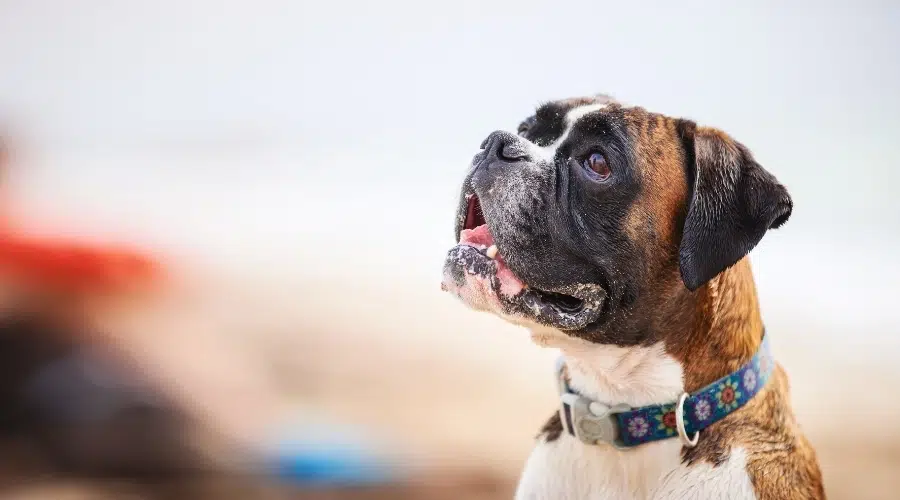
295 166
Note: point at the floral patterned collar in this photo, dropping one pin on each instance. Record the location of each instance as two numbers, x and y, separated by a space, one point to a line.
625 427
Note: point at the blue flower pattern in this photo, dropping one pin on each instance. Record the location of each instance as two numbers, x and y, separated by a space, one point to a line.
703 407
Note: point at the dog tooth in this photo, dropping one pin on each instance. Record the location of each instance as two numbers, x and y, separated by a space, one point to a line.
492 251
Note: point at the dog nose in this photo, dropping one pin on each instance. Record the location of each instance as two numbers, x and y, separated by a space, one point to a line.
503 146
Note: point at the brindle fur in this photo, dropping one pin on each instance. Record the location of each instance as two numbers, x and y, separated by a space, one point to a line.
706 313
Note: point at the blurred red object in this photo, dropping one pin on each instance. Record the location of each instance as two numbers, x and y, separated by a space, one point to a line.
60 265
74 266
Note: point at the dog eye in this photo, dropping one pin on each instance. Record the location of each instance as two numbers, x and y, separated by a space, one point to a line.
597 164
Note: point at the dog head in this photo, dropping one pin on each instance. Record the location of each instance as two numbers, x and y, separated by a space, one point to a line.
596 217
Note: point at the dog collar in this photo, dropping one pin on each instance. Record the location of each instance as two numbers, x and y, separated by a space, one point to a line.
624 427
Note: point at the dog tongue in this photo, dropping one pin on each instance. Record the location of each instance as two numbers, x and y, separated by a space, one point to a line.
510 284
478 236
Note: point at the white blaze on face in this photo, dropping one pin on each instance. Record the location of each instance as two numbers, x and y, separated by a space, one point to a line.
548 152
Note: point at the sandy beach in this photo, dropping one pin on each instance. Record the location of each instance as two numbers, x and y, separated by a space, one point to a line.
447 394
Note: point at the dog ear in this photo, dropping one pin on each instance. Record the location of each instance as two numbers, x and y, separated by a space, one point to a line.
733 201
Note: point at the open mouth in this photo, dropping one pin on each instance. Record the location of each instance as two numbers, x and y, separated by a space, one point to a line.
476 234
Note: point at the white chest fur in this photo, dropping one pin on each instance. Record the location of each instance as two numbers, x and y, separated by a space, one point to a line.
638 376
566 469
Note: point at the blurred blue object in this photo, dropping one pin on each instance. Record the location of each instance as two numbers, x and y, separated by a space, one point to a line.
329 467
330 456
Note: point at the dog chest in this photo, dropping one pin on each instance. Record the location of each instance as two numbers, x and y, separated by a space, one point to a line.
566 469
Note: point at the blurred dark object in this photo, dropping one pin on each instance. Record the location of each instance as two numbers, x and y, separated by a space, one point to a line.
78 421
81 410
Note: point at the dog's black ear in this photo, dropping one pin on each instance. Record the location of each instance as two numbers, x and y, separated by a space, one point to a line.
733 201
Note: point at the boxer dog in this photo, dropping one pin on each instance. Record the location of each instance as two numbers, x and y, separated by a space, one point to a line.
620 237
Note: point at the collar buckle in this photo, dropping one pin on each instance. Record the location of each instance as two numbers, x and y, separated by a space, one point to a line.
591 422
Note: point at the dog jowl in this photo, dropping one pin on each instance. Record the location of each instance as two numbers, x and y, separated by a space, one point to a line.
619 236
599 220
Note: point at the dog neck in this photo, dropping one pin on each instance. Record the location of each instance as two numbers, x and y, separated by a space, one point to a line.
706 335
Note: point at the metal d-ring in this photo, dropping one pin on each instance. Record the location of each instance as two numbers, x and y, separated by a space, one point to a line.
679 424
